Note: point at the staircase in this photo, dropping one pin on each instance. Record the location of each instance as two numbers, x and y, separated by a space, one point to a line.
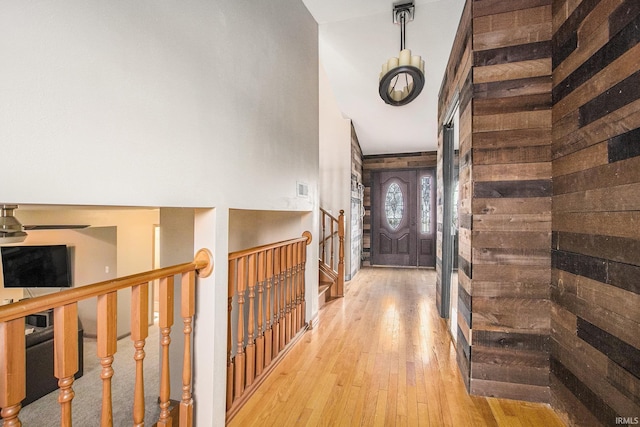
331 271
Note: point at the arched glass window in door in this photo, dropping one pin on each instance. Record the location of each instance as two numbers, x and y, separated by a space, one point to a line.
425 204
394 205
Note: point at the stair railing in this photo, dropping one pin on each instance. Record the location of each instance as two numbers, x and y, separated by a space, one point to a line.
65 323
266 312
332 240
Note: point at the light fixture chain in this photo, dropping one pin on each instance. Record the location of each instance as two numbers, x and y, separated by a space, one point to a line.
403 16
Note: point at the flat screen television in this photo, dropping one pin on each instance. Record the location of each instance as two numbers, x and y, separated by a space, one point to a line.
36 266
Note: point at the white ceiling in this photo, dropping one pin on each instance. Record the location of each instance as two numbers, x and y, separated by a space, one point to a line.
356 37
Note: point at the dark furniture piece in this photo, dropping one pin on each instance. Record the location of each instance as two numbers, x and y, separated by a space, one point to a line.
39 363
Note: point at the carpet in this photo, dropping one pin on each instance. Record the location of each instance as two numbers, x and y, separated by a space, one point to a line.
87 403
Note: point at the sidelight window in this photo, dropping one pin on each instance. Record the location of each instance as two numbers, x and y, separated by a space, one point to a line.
425 204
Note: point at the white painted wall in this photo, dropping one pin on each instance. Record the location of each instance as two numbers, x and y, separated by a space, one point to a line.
92 252
335 159
248 228
174 104
134 237
148 103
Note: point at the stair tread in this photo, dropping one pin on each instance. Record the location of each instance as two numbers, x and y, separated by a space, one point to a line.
323 288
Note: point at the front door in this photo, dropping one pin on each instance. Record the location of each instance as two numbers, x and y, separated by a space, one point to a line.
403 218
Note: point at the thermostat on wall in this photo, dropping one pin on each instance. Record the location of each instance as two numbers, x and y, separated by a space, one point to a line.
302 189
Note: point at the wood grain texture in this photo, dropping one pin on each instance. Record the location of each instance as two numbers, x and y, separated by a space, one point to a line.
625 39
515 53
592 35
512 104
593 156
506 21
513 172
512 138
12 369
513 189
394 365
613 74
623 93
616 224
610 175
510 155
494 7
618 198
512 71
624 146
564 292
511 121
541 205
513 88
623 250
505 193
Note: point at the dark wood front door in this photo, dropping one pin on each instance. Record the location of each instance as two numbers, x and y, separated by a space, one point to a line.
403 218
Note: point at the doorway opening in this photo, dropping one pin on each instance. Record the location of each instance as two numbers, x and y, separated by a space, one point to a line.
450 229
403 218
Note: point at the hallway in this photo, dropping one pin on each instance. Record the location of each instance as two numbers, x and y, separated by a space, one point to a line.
380 356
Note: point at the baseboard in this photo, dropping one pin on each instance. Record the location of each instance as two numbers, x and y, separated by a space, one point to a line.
249 391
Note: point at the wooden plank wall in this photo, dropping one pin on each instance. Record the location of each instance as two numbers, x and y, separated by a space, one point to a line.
386 162
595 339
457 86
356 201
511 207
505 195
356 156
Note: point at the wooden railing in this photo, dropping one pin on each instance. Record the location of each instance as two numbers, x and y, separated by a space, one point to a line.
332 241
266 312
65 323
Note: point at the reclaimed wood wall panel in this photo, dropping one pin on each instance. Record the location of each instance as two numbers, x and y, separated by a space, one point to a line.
357 198
595 293
512 189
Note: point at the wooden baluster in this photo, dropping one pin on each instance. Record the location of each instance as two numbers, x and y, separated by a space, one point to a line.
277 287
260 338
289 282
324 237
301 282
139 334
283 297
106 347
231 286
65 365
294 289
187 310
12 371
240 355
165 323
304 287
251 321
268 333
340 290
332 241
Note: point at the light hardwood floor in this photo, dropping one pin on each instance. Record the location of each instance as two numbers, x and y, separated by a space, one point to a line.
381 356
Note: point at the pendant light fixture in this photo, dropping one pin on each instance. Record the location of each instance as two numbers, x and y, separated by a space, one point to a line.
402 78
